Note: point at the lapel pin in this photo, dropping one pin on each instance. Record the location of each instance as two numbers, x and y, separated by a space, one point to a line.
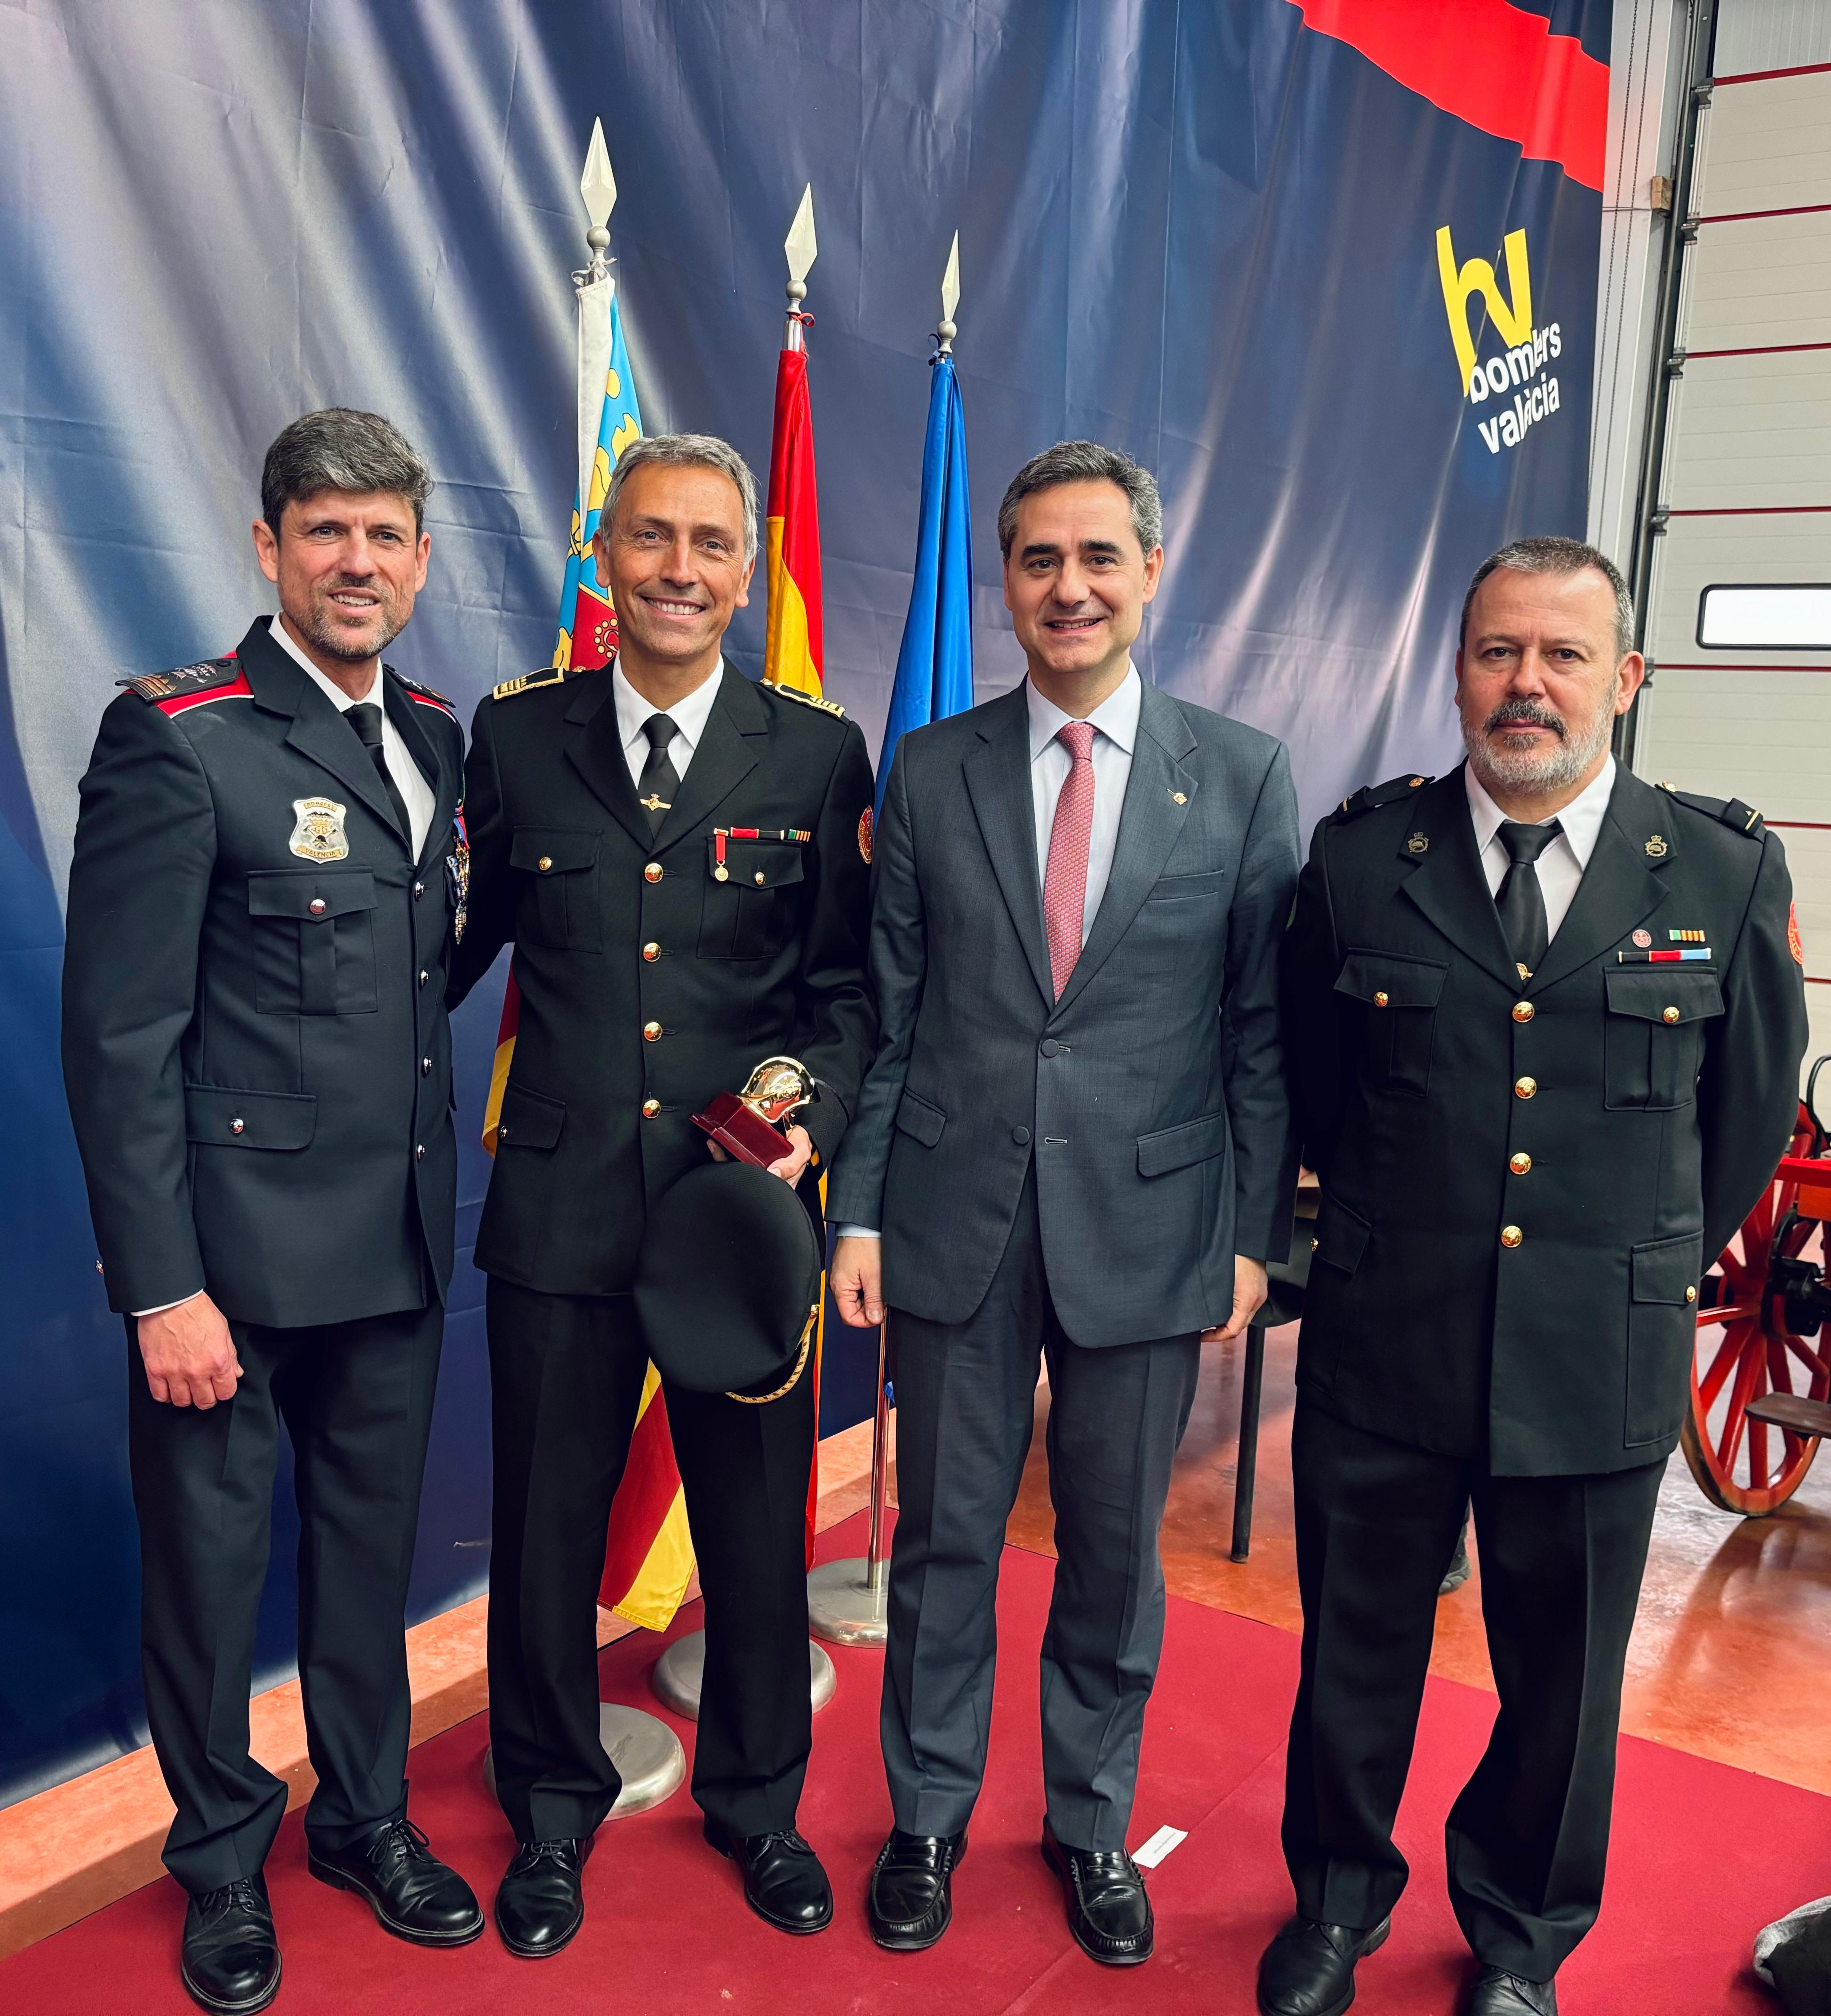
1657 847
1179 798
1419 844
1643 939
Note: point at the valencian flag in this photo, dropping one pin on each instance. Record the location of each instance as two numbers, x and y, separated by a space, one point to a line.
648 1554
934 666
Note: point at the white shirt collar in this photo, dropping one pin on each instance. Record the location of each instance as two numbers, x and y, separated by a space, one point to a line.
342 701
1116 717
1581 819
689 716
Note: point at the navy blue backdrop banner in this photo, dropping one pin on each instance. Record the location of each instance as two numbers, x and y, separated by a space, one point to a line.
1337 290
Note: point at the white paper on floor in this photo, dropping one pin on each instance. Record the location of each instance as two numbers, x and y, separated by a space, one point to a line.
1160 1843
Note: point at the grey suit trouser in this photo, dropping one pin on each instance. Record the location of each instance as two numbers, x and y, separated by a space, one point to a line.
965 1395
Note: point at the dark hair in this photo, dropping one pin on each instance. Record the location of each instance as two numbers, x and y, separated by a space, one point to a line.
1552 554
341 449
685 451
1085 461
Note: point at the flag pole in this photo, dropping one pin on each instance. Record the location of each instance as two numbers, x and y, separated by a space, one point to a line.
847 1600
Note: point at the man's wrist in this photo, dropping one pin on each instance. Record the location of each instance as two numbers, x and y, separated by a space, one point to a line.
160 1308
856 1232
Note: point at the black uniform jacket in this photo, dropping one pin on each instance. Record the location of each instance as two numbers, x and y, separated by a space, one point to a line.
648 984
1524 1181
255 1046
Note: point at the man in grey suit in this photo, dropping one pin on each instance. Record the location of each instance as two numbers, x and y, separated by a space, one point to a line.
1075 1145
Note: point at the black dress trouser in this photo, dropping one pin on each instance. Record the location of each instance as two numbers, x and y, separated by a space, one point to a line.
357 1400
566 1374
1561 1563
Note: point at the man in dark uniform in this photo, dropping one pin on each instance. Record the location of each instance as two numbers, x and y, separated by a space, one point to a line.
679 857
268 857
1545 1028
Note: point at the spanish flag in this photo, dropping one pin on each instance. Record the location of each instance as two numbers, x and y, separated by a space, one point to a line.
793 651
794 648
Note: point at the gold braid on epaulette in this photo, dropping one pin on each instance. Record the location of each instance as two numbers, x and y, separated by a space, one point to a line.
546 675
806 699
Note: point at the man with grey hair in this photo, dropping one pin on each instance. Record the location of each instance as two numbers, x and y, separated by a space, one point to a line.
1073 1148
269 852
1545 1024
677 856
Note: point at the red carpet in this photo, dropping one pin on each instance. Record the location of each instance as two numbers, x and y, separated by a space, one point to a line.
1703 1856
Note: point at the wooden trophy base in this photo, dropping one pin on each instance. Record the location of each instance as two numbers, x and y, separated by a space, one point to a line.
743 1132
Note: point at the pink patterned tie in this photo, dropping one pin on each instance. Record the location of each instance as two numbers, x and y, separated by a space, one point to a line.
1065 883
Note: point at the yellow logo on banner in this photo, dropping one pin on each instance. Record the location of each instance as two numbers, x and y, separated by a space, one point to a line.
1527 349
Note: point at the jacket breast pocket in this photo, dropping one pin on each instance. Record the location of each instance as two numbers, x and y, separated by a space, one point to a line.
560 906
1185 888
749 911
1662 1335
313 941
1652 1035
1399 996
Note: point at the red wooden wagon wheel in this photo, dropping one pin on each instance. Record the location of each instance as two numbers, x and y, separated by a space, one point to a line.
1745 1349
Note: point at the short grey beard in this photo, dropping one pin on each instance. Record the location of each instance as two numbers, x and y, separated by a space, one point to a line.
319 634
1535 773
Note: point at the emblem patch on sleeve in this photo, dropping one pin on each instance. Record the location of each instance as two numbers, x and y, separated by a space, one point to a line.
317 831
865 830
1795 944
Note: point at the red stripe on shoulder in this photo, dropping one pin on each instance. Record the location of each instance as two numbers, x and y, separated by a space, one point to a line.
425 699
237 689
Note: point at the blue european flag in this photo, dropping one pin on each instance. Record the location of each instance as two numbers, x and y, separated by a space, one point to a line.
934 666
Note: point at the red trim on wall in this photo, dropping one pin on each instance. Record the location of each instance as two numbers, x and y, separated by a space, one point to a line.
1752 511
1688 665
1746 216
1798 825
1755 350
1761 76
1494 67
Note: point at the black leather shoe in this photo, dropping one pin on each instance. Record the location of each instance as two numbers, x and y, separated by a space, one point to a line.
413 1895
1308 1970
784 1883
1496 1992
910 1898
539 1901
230 1960
1108 1911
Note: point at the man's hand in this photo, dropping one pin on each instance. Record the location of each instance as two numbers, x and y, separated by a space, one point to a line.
1249 1294
189 1356
857 1282
792 1167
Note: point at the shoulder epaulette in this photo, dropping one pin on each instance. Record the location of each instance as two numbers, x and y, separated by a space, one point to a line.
186 679
806 699
1731 812
547 676
423 692
1371 797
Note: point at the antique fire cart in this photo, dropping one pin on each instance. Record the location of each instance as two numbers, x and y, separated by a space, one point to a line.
1761 1385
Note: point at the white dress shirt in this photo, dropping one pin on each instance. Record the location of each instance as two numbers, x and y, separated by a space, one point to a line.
690 717
1115 725
1561 866
416 792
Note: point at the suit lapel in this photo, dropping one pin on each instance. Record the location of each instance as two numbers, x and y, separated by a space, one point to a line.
1445 879
997 782
725 755
1158 794
1621 885
594 747
404 712
319 731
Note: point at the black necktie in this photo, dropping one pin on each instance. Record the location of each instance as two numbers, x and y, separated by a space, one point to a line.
366 719
659 778
1519 899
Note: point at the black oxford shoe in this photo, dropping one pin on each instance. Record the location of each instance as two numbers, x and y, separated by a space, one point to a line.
539 1901
413 1895
231 1960
1108 1911
1308 1970
1496 1992
784 1883
909 1899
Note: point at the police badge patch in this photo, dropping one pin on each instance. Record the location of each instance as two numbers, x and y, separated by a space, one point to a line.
865 834
318 833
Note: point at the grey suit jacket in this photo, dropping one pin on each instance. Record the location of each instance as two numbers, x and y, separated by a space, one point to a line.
1152 1096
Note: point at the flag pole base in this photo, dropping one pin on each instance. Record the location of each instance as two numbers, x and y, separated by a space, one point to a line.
647 1753
843 1608
678 1672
